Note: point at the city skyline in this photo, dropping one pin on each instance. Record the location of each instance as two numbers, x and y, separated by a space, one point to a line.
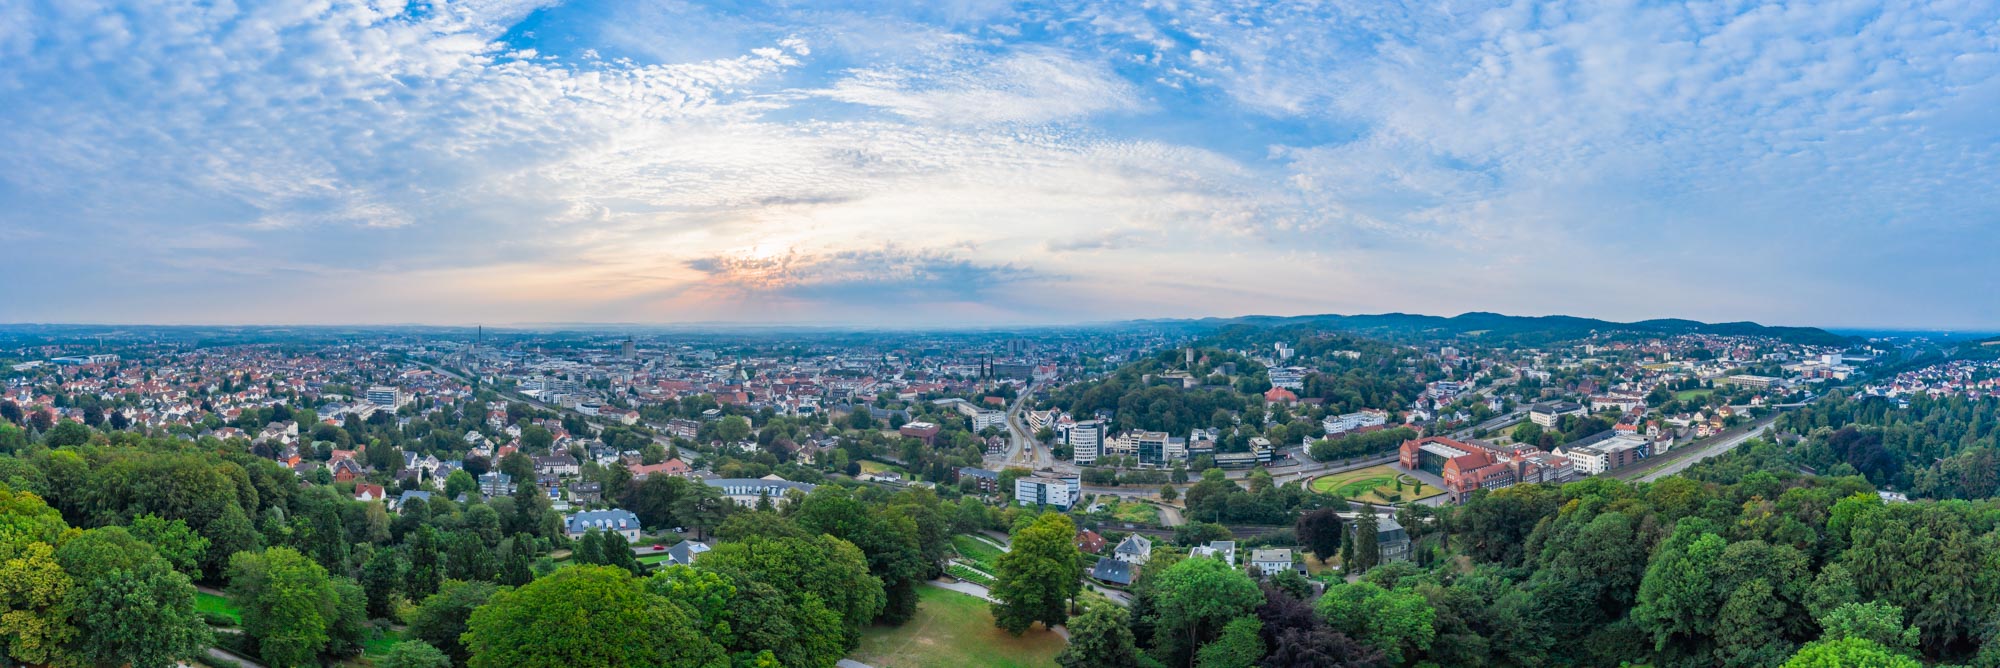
977 164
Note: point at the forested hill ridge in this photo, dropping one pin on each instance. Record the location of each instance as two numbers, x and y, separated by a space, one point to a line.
1496 327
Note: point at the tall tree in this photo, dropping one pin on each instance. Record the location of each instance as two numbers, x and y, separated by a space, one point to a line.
426 571
1321 532
1241 645
618 554
288 604
621 625
1193 600
1038 576
442 617
143 617
1099 638
1400 623
382 578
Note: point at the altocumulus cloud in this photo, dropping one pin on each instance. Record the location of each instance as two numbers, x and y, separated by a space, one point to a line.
537 160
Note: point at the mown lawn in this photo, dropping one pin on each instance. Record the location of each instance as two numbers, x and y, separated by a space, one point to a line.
953 629
1374 484
981 553
206 602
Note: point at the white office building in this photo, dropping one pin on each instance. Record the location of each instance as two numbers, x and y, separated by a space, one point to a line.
387 397
1086 441
1058 492
1341 424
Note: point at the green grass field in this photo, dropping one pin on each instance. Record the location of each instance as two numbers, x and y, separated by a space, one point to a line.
1685 395
981 553
953 629
1136 512
1374 484
377 647
872 466
206 602
961 572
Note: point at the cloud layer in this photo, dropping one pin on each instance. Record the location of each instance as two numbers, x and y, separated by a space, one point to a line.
971 163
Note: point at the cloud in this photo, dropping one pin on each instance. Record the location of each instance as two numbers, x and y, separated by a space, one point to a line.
889 273
564 161
1031 86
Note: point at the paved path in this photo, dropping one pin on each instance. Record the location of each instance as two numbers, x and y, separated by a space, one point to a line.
850 663
1118 597
989 541
966 588
219 653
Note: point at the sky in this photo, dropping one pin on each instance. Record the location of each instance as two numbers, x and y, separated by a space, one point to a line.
963 162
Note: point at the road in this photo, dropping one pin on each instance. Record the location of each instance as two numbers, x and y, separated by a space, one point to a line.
1715 447
1021 447
1489 425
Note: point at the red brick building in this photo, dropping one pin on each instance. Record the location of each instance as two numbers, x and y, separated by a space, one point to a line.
1468 467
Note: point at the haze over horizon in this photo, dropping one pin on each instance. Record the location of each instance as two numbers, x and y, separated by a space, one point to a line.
984 163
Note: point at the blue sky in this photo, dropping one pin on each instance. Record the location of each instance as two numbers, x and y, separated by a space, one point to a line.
968 162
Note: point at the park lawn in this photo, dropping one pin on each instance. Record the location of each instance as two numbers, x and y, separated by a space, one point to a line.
982 554
953 629
1685 395
206 602
1373 484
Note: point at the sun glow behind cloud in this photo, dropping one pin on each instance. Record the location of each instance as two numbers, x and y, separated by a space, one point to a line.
293 161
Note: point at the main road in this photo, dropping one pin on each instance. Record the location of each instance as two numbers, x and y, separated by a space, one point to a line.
1022 450
1717 446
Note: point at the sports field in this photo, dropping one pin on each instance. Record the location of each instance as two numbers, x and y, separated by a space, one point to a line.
1375 484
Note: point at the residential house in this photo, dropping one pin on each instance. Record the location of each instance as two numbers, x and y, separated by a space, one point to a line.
670 467
1270 561
683 553
1135 549
984 480
615 520
557 465
747 491
369 492
1219 549
409 496
1089 542
1113 571
495 483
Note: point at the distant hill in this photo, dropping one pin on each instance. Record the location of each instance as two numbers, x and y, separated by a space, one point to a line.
1523 329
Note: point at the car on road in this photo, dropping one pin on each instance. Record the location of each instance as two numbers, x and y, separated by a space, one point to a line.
658 547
